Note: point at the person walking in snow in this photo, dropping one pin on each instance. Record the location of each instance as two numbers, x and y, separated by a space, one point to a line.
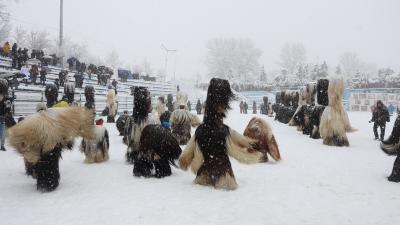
241 105
254 107
380 115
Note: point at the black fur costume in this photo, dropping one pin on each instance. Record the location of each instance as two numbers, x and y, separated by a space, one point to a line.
158 149
322 92
121 123
215 140
46 170
51 94
285 105
136 123
89 96
391 146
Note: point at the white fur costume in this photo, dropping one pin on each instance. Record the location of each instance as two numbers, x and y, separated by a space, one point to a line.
334 120
96 149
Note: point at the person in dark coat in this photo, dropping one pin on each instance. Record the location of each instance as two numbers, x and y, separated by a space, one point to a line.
14 55
169 104
43 74
198 107
254 107
391 147
245 107
189 105
61 78
34 71
380 115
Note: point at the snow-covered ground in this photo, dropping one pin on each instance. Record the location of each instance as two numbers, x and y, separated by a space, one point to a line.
313 184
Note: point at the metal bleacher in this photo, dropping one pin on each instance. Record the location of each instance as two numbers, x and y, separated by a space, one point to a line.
27 96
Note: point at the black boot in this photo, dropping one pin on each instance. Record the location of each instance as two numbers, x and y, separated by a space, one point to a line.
395 176
162 168
142 168
47 171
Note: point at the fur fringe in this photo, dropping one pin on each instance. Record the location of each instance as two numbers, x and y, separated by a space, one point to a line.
42 132
259 129
96 150
334 120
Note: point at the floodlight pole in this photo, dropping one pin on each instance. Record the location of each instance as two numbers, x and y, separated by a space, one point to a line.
167 51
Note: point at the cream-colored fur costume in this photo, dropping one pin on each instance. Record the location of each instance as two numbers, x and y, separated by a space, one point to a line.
96 149
334 120
239 147
181 99
43 131
259 129
112 103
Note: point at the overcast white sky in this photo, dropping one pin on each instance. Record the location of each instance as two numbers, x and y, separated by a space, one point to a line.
137 28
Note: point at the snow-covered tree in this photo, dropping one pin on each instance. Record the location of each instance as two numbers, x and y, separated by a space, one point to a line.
20 36
38 39
292 56
233 58
351 64
112 59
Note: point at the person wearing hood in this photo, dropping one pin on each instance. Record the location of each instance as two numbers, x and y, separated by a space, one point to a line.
380 115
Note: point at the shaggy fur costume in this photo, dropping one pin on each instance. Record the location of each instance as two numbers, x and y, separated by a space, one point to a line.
322 92
89 96
69 92
51 94
391 146
40 138
181 100
207 151
112 106
158 149
160 108
334 120
306 97
139 120
181 122
286 109
121 123
96 149
259 129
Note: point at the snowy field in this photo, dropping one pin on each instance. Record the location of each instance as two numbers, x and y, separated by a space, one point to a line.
313 184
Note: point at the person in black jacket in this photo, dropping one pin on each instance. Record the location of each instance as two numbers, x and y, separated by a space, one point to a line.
43 74
380 115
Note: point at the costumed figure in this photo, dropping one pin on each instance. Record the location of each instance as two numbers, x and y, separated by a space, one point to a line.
259 129
391 146
140 118
207 151
95 149
41 137
112 106
182 121
160 108
334 120
121 122
157 150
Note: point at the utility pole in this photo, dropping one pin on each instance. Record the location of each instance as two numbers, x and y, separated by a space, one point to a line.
167 51
61 32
